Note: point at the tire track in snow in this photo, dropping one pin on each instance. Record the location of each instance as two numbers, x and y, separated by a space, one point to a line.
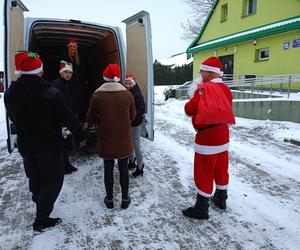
16 212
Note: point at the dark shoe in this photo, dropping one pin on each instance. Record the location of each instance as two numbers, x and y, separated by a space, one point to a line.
44 225
195 213
109 203
219 199
125 203
132 164
138 171
69 168
35 198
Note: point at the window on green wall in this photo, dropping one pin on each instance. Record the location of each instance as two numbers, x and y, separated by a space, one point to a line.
262 54
224 12
249 7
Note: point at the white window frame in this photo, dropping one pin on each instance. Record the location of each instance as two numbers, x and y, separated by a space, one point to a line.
263 58
254 6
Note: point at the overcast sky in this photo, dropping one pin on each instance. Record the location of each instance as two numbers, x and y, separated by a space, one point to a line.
166 18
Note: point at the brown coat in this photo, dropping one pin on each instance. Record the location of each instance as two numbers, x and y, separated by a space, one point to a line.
112 109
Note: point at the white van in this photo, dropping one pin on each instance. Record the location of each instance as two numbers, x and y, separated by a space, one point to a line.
100 45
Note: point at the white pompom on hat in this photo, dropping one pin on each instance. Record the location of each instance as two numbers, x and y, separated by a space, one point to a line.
212 64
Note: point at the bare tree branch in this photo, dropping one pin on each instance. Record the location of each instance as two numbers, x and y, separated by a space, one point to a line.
199 9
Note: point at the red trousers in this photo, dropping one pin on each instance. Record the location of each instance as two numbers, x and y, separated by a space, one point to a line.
210 168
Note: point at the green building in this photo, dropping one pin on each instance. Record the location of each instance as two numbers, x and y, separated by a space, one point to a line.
251 37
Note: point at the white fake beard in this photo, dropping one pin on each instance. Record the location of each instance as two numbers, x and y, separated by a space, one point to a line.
192 88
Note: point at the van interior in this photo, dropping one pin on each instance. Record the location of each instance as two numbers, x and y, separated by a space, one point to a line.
97 47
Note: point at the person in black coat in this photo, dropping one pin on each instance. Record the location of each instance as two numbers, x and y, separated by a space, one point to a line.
77 83
64 85
37 110
130 84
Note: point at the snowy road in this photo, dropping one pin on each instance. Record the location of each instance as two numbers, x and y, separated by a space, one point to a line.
263 205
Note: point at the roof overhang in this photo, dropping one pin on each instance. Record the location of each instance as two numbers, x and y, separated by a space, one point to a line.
262 31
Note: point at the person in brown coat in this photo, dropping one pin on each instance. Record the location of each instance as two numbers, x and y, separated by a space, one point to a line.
112 109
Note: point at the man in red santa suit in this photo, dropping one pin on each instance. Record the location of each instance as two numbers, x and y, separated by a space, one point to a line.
211 112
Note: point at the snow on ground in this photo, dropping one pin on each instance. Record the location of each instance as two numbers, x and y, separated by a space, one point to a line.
263 206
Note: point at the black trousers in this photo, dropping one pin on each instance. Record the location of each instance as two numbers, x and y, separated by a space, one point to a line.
46 175
66 153
109 177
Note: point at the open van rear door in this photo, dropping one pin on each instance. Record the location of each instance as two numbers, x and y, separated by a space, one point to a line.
13 41
140 63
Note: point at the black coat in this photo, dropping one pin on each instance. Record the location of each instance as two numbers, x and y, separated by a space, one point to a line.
139 105
78 88
64 86
38 109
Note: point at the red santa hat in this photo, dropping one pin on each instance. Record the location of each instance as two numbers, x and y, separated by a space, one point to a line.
112 73
28 63
131 78
212 64
72 42
65 66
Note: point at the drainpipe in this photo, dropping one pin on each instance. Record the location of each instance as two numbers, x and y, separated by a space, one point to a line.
289 87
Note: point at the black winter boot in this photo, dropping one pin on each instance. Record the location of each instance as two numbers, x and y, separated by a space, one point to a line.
69 168
43 225
132 164
125 203
200 210
35 198
219 199
138 171
109 203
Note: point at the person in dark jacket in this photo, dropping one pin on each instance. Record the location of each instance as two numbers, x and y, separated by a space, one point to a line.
37 110
112 109
77 83
130 84
63 84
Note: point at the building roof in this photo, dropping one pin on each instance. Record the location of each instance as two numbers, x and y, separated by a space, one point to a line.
204 25
262 31
176 60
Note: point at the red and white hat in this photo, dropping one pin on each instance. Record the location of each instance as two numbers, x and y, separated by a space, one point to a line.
112 73
65 66
28 63
72 42
131 78
212 64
